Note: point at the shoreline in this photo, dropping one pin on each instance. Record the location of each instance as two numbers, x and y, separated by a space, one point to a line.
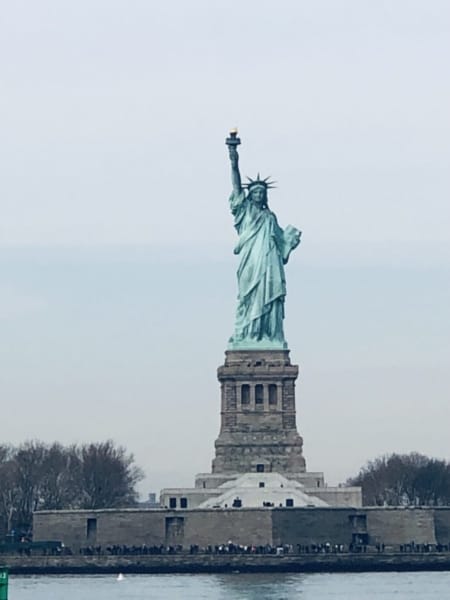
220 563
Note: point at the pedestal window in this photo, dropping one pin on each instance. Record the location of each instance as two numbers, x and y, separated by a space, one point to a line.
273 395
245 394
259 393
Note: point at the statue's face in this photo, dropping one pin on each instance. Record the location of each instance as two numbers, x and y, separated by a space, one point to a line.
258 196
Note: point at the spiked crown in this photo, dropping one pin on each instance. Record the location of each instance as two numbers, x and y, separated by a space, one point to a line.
258 182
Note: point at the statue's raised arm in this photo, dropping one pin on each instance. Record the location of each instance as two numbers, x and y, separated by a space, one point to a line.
233 142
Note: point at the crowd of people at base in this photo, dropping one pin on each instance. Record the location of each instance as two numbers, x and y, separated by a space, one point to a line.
118 550
31 550
420 548
231 548
226 548
268 549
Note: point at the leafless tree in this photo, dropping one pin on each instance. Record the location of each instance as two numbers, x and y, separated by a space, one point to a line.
108 476
9 489
404 479
39 476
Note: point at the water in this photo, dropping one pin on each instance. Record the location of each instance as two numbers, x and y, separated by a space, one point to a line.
326 586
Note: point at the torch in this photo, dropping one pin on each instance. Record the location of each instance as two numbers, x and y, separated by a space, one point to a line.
233 141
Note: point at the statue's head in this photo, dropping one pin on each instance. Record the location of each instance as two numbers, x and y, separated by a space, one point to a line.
257 190
258 195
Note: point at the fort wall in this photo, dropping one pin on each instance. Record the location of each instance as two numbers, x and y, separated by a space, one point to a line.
246 526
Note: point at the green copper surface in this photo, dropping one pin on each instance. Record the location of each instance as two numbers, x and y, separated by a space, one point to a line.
264 248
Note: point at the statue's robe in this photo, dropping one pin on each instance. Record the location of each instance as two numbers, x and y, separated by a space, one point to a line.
263 249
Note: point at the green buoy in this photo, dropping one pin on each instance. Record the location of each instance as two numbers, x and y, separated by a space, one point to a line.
3 583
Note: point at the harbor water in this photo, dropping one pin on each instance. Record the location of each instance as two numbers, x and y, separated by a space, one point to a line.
276 586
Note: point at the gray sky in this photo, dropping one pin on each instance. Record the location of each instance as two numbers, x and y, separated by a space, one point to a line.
117 284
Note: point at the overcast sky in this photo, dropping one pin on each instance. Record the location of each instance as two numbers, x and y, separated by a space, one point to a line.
117 278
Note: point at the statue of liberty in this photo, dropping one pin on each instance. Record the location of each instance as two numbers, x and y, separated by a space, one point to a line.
264 249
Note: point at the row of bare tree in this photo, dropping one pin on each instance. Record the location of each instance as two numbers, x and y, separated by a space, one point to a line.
404 479
39 476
